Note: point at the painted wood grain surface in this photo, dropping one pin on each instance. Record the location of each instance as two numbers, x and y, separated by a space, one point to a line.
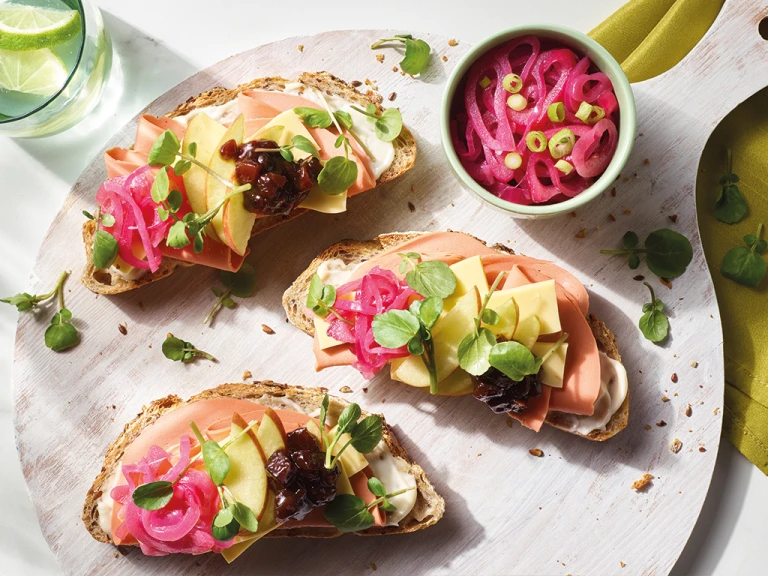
569 512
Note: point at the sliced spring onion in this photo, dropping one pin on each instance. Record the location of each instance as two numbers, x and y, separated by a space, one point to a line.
562 143
513 160
564 166
485 82
512 83
517 102
585 109
596 115
536 141
556 112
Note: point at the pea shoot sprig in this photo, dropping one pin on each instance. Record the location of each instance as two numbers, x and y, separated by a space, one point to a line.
364 435
387 126
178 350
730 206
745 264
321 299
667 253
166 152
654 323
416 52
240 284
105 247
434 280
349 513
233 514
61 334
479 350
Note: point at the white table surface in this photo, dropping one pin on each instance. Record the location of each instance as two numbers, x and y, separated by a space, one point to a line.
151 56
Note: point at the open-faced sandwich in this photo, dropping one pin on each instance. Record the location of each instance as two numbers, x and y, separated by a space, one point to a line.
244 461
199 182
453 316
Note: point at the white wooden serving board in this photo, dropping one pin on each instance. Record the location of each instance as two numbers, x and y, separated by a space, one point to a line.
570 512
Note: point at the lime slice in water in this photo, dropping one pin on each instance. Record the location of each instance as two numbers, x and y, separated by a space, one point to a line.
33 28
39 72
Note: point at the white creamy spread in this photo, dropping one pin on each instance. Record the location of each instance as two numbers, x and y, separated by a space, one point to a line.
393 473
105 503
613 390
335 272
127 272
279 403
224 113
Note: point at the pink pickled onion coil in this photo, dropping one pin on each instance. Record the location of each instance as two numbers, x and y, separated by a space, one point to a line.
593 152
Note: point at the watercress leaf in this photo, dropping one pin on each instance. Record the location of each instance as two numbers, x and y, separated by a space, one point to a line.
395 328
107 220
88 215
474 351
430 310
181 167
153 496
61 336
164 150
339 141
387 506
173 348
177 235
199 242
216 462
223 517
761 246
22 301
329 295
490 317
432 278
514 360
723 180
174 200
315 292
412 255
56 319
730 206
389 125
163 213
376 487
734 178
654 325
65 314
286 154
370 108
226 532
659 305
192 149
415 308
367 434
302 143
416 346
416 56
217 292
241 283
245 516
313 117
629 240
403 267
743 266
347 419
161 186
344 119
337 175
668 253
633 261
105 249
348 513
228 303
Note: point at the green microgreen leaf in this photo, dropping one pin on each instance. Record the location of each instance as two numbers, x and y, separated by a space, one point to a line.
177 235
395 328
178 350
630 240
474 350
245 516
304 144
192 149
225 532
107 220
105 249
429 311
745 264
730 206
367 434
431 278
489 317
348 419
161 187
153 496
514 360
313 117
417 52
654 323
164 150
667 253
181 167
348 513
387 126
337 175
241 283
376 487
344 119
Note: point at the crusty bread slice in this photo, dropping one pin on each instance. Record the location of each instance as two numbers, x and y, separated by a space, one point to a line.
358 251
429 507
109 282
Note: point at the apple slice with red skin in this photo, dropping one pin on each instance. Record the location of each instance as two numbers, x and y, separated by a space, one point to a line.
271 433
247 479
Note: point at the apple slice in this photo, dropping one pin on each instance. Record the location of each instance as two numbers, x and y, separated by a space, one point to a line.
267 523
247 478
457 384
509 315
449 331
271 434
527 331
351 460
206 133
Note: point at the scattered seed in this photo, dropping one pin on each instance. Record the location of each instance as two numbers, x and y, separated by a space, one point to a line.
673 218
674 378
664 399
688 411
123 329
666 282
581 233
647 426
345 390
661 423
510 422
267 329
628 211
356 83
613 191
676 446
612 217
380 57
365 390
572 214
141 304
300 47
392 96
445 58
639 278
453 42
646 161
402 73
702 449
626 179
536 452
373 566
247 374
411 207
394 68
640 485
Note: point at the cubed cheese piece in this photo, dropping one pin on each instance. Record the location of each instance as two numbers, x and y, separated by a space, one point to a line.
553 369
469 273
538 299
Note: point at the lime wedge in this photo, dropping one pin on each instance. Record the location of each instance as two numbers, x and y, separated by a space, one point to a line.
33 28
39 72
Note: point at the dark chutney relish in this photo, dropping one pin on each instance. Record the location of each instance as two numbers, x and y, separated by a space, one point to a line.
304 481
277 185
502 394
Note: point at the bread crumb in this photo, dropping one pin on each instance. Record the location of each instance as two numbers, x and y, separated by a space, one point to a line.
661 423
639 278
647 426
694 364
373 566
639 485
612 217
688 410
402 73
716 411
676 446
622 564
628 211
673 218
380 57
674 378
123 329
411 207
581 233
572 214
453 42
300 47
345 390
536 452
394 68
666 282
664 399
365 390
646 161
247 374
510 422
267 329
445 58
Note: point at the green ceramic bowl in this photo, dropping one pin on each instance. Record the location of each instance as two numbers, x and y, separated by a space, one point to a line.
583 45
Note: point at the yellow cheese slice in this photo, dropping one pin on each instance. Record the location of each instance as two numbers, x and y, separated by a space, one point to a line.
321 329
553 369
469 274
538 299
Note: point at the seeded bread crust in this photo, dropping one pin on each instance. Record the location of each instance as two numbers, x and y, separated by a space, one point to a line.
109 282
358 251
429 507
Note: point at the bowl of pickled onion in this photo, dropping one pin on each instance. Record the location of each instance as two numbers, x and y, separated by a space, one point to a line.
538 120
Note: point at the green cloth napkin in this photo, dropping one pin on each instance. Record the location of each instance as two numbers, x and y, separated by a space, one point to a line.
648 37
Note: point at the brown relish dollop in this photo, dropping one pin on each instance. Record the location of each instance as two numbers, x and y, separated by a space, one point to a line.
502 394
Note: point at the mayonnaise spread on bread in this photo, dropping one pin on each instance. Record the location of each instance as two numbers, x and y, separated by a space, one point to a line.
225 113
613 391
104 503
335 271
